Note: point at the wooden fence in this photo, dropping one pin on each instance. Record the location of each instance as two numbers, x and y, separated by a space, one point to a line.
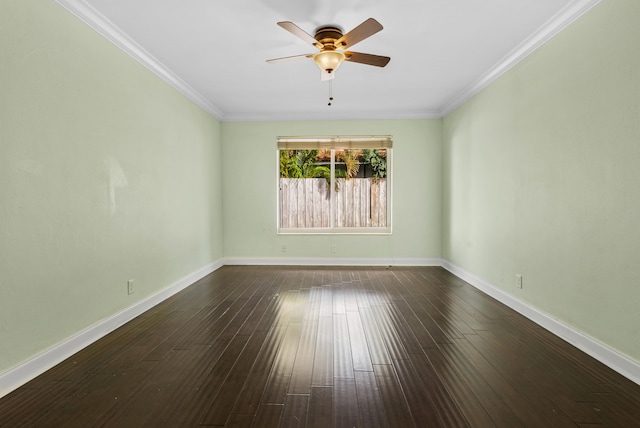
359 202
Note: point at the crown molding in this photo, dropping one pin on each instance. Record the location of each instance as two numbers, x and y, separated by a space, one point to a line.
94 19
90 16
546 32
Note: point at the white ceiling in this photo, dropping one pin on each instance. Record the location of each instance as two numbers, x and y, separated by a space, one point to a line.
442 51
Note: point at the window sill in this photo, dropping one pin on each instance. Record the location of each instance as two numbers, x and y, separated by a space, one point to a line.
384 231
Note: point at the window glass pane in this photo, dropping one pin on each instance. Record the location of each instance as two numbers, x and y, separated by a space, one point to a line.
360 192
304 189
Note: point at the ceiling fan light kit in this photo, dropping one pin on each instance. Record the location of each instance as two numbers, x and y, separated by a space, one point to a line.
329 61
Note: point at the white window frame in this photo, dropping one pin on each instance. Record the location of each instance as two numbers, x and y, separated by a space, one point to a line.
337 143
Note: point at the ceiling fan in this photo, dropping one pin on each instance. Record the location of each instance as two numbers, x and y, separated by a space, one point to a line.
333 46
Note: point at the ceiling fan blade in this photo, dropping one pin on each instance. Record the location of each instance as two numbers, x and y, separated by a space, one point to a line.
368 59
289 58
298 32
366 29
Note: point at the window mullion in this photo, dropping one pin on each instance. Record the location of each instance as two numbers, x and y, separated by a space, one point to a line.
332 193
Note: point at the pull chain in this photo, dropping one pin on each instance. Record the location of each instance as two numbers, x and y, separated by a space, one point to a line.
330 91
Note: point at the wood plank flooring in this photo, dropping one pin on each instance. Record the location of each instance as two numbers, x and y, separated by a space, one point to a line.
327 346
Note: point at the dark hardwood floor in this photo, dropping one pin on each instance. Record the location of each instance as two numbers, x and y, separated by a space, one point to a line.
322 347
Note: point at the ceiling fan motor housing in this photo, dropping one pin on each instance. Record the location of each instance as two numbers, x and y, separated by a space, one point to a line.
327 36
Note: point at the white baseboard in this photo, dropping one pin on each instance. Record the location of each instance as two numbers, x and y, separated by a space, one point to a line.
32 368
332 261
611 358
23 373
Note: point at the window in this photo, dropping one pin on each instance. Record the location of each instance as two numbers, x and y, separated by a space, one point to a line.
334 184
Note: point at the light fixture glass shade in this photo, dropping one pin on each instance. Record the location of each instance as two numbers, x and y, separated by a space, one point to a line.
329 61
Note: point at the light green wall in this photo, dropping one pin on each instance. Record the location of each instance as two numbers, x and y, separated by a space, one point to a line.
250 191
106 174
541 178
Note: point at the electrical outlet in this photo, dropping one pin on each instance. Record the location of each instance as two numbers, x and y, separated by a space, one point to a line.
519 281
130 286
333 248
